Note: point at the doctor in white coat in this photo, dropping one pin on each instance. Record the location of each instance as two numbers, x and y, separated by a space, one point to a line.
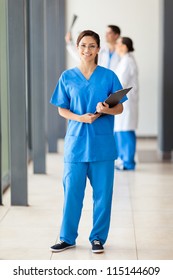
126 123
107 56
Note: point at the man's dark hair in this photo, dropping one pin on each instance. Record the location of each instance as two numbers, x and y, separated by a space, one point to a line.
115 29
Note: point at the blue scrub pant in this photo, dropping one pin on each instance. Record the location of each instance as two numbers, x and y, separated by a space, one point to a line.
126 148
101 176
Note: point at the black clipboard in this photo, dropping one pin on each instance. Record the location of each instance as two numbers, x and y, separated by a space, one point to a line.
114 98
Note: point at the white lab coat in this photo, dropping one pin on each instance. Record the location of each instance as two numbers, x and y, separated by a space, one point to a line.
105 61
127 73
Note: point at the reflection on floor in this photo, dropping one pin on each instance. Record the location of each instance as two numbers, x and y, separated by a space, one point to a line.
141 224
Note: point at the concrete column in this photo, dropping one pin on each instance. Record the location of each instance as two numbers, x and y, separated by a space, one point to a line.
17 100
37 86
28 82
55 58
166 96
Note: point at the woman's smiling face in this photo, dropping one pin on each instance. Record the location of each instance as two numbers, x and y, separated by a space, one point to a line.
88 48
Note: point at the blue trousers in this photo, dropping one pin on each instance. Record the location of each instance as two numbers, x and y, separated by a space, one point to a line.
126 148
101 176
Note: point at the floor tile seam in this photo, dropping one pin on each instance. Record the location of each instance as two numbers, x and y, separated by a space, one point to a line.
4 215
51 254
133 222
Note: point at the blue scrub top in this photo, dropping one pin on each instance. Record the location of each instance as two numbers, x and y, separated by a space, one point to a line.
87 142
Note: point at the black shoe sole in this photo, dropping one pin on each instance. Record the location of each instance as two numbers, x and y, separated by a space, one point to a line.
60 250
98 251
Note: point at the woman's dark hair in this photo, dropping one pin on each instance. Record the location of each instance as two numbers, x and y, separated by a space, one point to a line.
115 29
92 34
129 43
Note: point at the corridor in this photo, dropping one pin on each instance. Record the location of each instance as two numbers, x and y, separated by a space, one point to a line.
142 214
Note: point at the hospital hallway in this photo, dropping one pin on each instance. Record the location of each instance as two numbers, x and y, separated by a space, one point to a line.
141 222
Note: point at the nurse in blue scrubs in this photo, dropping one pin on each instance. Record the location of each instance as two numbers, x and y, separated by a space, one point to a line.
89 143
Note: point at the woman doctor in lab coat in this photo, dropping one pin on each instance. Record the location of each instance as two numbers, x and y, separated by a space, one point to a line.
126 123
89 149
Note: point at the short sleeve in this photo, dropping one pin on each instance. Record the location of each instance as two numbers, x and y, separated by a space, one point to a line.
60 97
117 86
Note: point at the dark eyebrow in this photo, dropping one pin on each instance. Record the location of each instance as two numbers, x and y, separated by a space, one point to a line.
91 44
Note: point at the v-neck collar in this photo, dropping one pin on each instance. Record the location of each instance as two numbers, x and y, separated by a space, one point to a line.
82 76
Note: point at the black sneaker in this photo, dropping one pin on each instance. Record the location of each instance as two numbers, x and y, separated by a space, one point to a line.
97 247
61 246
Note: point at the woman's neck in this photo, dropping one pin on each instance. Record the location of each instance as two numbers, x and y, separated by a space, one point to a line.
87 67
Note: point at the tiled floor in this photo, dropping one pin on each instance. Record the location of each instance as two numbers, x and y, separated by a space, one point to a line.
141 224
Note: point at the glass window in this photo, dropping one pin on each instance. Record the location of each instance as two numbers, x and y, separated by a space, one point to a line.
4 93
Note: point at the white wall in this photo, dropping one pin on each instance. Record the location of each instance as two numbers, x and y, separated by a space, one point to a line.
138 19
